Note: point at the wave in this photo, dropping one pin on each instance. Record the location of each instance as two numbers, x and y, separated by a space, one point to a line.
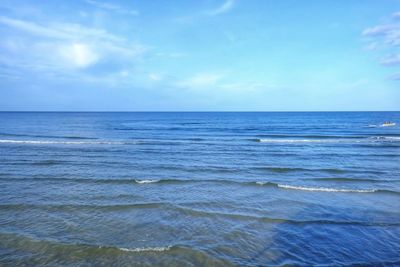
14 239
146 181
49 136
216 181
94 180
326 139
52 142
327 170
183 209
380 125
40 250
310 136
104 208
146 249
339 179
240 216
48 162
385 138
261 140
324 189
365 140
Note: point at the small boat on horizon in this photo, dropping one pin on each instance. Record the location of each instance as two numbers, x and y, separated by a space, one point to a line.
388 123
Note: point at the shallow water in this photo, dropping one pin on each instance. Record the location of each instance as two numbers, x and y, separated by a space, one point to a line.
199 189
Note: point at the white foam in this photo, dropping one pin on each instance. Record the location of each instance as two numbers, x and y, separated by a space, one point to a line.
296 141
382 125
146 181
388 125
385 138
157 249
38 142
366 140
323 189
393 138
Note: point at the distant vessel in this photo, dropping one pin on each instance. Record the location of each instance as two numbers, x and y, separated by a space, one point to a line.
388 123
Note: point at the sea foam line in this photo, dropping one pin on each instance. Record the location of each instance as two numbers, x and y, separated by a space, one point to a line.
296 141
350 140
64 142
146 181
144 249
324 189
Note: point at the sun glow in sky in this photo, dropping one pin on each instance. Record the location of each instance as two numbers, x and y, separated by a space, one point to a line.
199 55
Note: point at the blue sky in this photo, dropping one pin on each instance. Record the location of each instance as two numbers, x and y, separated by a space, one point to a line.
157 55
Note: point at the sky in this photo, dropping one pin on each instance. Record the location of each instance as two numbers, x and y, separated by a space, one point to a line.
211 55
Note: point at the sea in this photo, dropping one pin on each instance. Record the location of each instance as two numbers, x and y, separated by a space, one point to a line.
199 189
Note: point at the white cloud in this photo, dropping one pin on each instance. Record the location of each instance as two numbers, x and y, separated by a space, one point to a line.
113 7
225 7
380 30
386 37
79 55
75 46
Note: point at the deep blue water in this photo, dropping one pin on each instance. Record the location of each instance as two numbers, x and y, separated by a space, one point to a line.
199 189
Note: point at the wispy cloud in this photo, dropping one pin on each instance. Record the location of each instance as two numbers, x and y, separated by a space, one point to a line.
225 7
380 30
200 80
211 12
72 45
395 77
396 15
386 37
113 7
79 55
67 52
59 30
392 60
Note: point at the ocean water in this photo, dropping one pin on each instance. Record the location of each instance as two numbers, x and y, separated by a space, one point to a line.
199 189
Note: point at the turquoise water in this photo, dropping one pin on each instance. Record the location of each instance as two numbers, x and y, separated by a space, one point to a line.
199 189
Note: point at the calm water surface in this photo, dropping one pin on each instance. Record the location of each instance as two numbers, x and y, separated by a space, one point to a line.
199 189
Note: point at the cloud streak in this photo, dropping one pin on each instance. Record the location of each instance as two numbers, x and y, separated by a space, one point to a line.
58 30
392 60
224 8
113 7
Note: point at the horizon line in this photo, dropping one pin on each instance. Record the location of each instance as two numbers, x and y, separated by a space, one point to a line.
186 111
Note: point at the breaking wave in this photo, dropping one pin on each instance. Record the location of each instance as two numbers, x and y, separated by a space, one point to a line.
324 189
333 140
52 142
146 181
215 181
146 249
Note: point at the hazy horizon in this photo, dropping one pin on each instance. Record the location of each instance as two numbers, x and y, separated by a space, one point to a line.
197 111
